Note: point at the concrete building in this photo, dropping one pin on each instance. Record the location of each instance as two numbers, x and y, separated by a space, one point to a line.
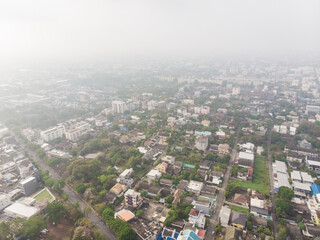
246 159
224 216
195 187
153 175
223 149
133 198
77 130
52 133
119 106
126 177
313 109
20 210
201 143
4 201
197 218
30 185
203 205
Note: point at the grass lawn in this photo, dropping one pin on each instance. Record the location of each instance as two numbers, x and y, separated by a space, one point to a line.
239 209
261 181
44 195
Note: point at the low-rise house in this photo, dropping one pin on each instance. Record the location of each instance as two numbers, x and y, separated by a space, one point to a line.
125 215
246 159
188 235
215 178
223 149
149 189
183 184
238 220
197 218
241 199
224 216
257 222
126 177
153 175
201 143
259 208
301 189
195 187
118 189
166 182
203 205
205 165
177 167
208 189
162 167
176 196
168 159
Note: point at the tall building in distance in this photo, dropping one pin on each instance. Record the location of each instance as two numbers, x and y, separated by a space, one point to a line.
119 106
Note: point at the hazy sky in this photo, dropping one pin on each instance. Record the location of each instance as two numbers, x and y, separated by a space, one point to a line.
66 29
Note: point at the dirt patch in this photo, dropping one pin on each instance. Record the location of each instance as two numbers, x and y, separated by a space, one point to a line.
60 231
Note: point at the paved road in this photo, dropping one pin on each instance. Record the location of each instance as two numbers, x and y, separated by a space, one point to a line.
220 199
274 218
73 196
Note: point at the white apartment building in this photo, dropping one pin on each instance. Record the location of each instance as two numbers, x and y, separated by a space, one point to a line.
119 106
77 130
52 133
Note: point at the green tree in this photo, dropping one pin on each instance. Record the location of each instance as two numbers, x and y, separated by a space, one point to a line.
139 213
55 211
286 193
282 232
108 214
81 188
49 182
33 227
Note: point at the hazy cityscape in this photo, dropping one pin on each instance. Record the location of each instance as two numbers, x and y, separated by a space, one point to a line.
159 120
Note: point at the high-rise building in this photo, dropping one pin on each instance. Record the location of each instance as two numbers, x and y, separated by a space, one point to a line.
119 106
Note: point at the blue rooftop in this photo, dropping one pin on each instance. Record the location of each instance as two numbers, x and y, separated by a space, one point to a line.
315 189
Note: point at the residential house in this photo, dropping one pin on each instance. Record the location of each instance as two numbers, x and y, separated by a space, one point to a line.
168 159
133 198
241 199
153 175
201 143
125 215
246 159
162 167
197 218
205 165
238 220
118 189
177 167
203 205
259 208
195 187
166 182
126 177
224 216
223 149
